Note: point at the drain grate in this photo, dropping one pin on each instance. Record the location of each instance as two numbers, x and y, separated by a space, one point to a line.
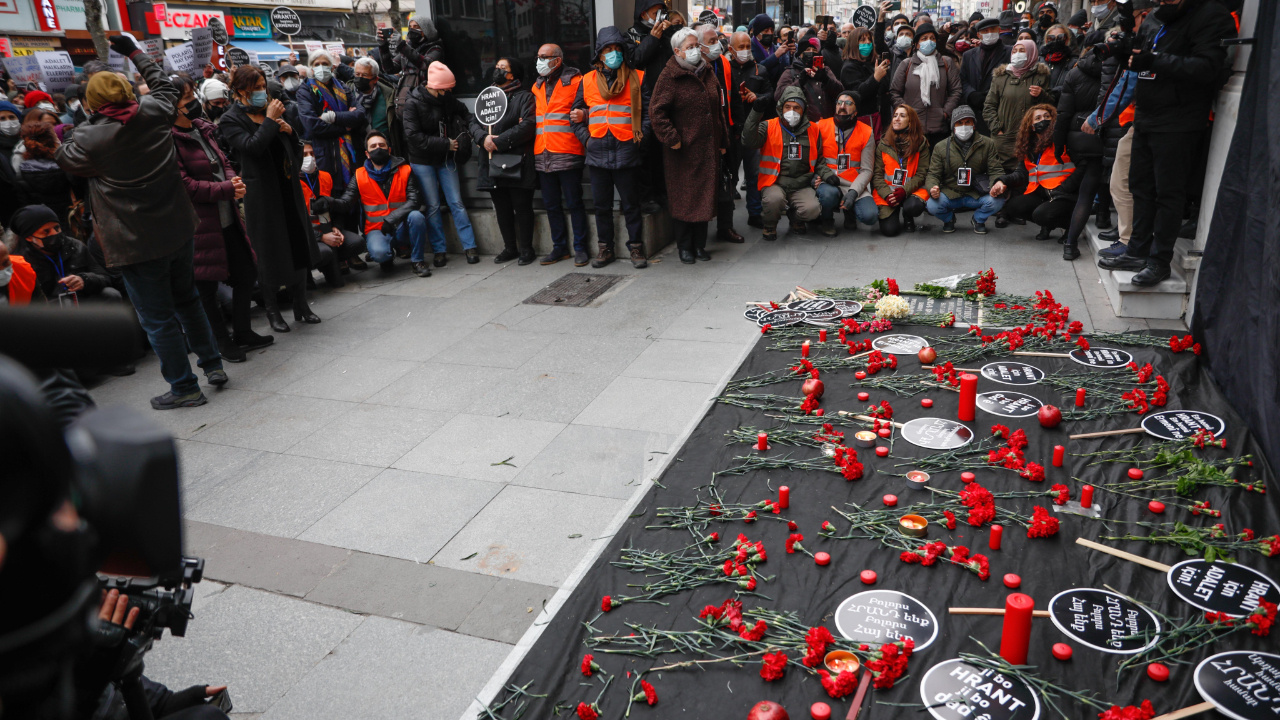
574 290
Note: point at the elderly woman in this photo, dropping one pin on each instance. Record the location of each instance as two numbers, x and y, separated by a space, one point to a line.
930 83
331 122
690 125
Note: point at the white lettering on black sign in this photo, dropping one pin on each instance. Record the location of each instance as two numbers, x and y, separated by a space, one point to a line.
1182 424
1102 357
900 344
956 690
491 105
1008 372
1241 684
1008 404
882 616
936 433
1229 588
1104 620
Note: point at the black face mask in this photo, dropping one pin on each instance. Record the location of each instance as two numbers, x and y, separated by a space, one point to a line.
1054 48
766 40
1040 126
499 77
844 122
52 243
193 110
1046 21
380 156
214 112
363 84
415 36
807 59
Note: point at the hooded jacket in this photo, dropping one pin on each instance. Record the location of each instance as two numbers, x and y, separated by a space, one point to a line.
793 174
1189 64
642 50
947 156
608 152
1009 99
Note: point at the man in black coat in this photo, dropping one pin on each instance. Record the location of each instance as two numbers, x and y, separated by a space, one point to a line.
651 34
977 65
1181 64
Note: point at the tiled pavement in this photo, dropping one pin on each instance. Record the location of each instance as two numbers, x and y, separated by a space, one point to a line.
386 500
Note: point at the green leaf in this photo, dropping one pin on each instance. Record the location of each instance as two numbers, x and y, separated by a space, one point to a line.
470 556
1210 553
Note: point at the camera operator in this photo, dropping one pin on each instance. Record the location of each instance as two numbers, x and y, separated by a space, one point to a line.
1180 64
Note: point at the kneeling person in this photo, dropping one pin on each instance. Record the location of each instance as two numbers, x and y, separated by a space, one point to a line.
849 150
792 170
66 272
959 173
384 189
339 249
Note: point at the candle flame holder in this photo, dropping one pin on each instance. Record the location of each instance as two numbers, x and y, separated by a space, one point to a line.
838 661
913 525
917 479
864 438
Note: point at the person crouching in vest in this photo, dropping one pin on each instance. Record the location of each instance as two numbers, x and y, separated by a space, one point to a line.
17 280
558 155
849 151
339 249
1046 176
792 170
385 192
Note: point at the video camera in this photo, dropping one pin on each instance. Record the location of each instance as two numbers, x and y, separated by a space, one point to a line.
1120 44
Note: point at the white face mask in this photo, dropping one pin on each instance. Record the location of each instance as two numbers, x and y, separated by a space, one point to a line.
744 56
1099 10
693 56
47 107
9 127
903 42
964 132
291 83
792 117
309 164
74 104
990 38
6 275
1018 59
544 66
322 73
713 50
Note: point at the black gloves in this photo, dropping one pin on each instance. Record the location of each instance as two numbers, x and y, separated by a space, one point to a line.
122 45
389 229
763 102
181 700
1142 61
319 205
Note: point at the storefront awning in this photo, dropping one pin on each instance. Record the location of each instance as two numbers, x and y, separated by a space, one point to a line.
267 50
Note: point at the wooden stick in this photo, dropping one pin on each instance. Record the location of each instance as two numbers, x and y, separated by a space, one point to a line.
1123 555
806 294
868 418
1040 354
864 354
859 696
991 611
1105 433
1187 712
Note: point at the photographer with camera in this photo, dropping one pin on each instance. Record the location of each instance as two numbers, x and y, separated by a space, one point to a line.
1180 64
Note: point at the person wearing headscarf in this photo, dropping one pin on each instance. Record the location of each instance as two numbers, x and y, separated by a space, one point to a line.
929 83
143 219
1015 87
330 120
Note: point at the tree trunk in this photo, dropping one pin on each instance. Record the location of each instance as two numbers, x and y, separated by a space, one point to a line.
93 20
393 10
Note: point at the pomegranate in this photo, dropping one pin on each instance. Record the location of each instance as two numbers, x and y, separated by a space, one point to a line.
927 355
814 387
1049 416
767 710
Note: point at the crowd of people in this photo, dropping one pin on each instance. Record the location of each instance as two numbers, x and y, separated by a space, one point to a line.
191 198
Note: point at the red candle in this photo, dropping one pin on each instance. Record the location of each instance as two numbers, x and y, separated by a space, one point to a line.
820 711
1080 397
1086 497
860 375
1012 581
997 532
822 336
967 476
1058 453
804 349
1062 651
1158 672
882 451
784 497
762 441
968 396
1015 638
1135 473
884 432
890 500
822 558
1156 507
868 577
926 403
864 396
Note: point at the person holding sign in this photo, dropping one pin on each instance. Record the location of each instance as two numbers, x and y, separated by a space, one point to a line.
898 180
506 168
329 119
143 219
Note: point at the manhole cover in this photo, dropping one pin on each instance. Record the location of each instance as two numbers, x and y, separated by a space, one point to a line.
574 290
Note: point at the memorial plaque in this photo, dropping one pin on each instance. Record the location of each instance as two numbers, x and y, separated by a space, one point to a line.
966 312
1104 620
1182 424
936 433
900 344
1008 404
1223 587
814 305
955 690
1101 357
1241 684
881 616
753 313
1009 372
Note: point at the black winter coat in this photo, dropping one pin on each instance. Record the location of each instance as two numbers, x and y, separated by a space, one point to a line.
349 201
1075 103
47 184
860 77
430 122
76 260
643 51
516 131
976 69
1189 64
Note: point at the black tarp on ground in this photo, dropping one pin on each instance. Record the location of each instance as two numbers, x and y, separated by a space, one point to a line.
1239 279
1047 566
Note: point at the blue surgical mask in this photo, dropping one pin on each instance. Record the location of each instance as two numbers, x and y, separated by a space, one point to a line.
864 49
613 59
928 46
258 99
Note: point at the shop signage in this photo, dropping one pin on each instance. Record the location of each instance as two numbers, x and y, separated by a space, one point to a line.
47 16
249 24
178 22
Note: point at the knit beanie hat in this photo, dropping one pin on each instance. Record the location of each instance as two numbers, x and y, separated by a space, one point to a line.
962 112
27 220
36 96
440 77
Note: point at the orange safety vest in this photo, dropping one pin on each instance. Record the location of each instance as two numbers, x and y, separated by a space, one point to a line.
890 167
728 89
1126 115
771 153
23 282
554 105
1050 171
612 116
326 190
377 205
853 145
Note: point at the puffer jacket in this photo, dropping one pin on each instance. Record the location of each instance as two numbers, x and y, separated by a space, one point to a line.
1075 103
608 152
140 209
207 192
792 174
1009 99
430 122
413 55
47 184
349 202
880 185
515 134
643 51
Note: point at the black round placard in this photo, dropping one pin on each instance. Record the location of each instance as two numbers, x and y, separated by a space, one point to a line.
1009 372
1181 424
1102 357
936 433
1241 684
1008 404
881 616
1104 620
956 690
900 344
1223 587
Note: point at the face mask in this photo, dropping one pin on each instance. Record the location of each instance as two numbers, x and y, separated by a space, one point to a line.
864 49
990 38
1046 22
309 164
744 56
888 36
792 117
415 35
6 275
713 51
1098 10
693 56
52 242
47 107
928 46
362 84
766 40
1055 50
9 127
903 42
291 83
214 112
544 67
74 104
1040 126
845 121
192 110
1075 32
1018 59
258 99
841 42
962 45
613 59
380 156
964 132
499 77
323 73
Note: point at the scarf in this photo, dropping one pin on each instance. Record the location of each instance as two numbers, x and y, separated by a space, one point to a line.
1033 56
330 99
609 90
379 176
927 70
122 111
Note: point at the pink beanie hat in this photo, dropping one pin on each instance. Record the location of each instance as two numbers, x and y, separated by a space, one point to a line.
439 77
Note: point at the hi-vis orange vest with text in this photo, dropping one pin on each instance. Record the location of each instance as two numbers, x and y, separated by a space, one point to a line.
1050 171
890 167
613 116
853 145
326 190
771 153
554 103
376 204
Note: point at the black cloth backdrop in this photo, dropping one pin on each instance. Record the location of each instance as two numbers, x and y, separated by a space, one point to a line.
1239 279
1047 566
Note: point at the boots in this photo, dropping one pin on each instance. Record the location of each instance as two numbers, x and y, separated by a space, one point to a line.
301 310
604 258
638 260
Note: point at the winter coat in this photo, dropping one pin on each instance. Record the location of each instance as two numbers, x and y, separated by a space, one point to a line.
516 132
831 55
756 78
275 213
430 122
47 184
976 68
1190 66
820 91
1018 175
912 184
946 157
379 103
643 51
349 201
860 77
411 60
207 192
1058 71
348 122
608 152
945 96
1075 103
792 174
1009 99
548 161
75 259
140 211
686 111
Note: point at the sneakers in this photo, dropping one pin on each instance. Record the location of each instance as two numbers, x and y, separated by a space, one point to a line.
980 228
422 269
638 260
555 256
230 351
473 257
441 259
1152 275
216 378
1044 233
604 258
506 256
1124 261
1115 250
169 401
949 226
580 258
829 227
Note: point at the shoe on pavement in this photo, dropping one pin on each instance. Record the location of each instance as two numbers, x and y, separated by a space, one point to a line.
770 234
441 259
422 269
169 401
527 258
555 256
1123 262
1151 275
580 258
829 227
603 258
729 235
230 351
252 340
755 221
473 257
909 225
638 260
686 257
216 378
949 226
980 228
1111 235
1070 252
1116 249
1044 233
506 256
702 254
1001 222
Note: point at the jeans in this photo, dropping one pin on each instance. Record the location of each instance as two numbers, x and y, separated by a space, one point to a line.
983 207
163 292
603 181
562 191
864 208
411 231
436 178
829 198
751 176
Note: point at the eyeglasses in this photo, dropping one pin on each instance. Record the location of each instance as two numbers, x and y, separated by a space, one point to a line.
1056 38
848 103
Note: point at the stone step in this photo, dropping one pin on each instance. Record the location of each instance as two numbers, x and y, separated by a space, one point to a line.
1166 301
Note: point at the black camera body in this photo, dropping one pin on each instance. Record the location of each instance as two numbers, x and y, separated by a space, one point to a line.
164 604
